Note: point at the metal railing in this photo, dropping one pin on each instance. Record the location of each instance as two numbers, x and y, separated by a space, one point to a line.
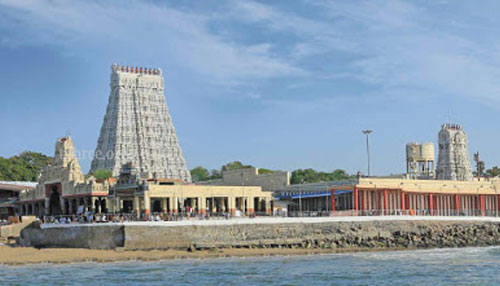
133 217
180 216
429 212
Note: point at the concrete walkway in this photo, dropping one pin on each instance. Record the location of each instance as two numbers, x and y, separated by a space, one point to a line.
280 220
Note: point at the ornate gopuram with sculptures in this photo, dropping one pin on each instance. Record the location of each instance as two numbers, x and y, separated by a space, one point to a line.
62 188
138 128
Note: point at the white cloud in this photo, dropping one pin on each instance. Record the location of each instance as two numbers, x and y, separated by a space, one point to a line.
394 45
186 37
388 46
415 47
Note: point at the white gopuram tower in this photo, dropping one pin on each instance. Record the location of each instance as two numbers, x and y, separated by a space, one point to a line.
453 158
138 128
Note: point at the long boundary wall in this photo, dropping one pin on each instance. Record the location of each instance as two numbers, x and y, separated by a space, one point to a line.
314 233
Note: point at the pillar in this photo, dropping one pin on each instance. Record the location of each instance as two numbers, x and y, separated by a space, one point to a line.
269 211
110 205
403 202
202 205
118 204
47 206
362 201
136 205
147 203
332 198
250 205
98 208
481 202
92 202
232 204
431 204
164 205
70 206
222 202
498 205
379 200
355 199
457 204
172 202
85 205
386 202
63 205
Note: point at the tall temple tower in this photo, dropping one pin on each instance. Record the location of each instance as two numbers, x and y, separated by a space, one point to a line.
453 158
138 128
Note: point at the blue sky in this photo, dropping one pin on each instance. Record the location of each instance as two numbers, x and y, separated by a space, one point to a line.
276 84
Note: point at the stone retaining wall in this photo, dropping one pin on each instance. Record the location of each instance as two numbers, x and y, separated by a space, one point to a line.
92 237
372 235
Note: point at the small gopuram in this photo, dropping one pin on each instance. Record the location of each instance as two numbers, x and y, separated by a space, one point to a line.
453 157
62 188
138 194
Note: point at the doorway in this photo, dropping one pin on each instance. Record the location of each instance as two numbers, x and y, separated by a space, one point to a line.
54 201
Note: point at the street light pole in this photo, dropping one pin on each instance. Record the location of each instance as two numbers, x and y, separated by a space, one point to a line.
367 133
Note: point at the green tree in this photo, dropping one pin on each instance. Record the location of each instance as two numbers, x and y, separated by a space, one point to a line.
312 176
102 174
339 175
479 166
265 171
235 166
199 174
23 167
493 172
215 174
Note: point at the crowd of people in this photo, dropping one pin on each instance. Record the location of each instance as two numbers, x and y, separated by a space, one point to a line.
89 217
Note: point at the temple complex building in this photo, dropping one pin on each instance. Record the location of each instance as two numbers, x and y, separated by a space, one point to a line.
452 193
395 196
62 188
133 194
379 196
9 197
138 128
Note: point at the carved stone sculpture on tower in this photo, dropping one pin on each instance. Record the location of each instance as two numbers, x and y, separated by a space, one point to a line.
65 166
138 128
453 158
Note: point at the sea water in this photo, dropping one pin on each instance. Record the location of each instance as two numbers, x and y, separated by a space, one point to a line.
465 266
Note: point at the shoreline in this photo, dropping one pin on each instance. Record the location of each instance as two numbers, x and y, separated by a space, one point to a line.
20 256
154 242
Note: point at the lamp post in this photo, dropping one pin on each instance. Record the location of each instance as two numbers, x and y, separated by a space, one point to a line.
367 133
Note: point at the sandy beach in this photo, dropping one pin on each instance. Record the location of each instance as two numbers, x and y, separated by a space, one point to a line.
28 255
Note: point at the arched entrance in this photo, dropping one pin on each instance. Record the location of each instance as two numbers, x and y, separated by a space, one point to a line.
103 205
74 206
97 205
157 206
66 206
54 200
